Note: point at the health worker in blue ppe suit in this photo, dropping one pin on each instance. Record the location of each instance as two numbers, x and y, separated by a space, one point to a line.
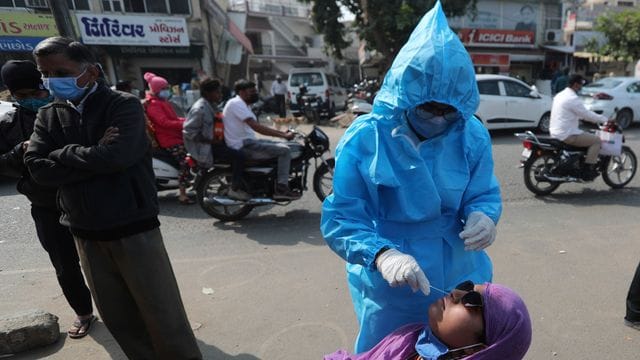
414 196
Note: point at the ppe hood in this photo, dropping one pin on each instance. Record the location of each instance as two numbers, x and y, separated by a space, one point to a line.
432 66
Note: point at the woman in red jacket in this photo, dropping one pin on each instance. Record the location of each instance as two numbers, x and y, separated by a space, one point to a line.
168 128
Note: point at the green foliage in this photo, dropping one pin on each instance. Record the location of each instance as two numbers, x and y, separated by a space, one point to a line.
622 31
384 24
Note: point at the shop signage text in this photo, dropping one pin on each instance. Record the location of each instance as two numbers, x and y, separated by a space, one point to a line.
133 30
155 51
18 44
495 37
17 24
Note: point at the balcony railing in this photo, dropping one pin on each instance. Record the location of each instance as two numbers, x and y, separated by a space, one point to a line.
280 50
290 8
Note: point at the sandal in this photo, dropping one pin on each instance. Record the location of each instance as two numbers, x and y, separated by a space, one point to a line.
187 201
81 328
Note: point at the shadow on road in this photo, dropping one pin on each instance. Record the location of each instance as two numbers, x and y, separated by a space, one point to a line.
295 227
588 197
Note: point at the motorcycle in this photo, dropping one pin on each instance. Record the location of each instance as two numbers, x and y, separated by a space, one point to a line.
310 106
549 162
259 178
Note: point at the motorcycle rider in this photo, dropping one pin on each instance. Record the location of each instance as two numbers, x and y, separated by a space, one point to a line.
240 126
566 112
198 136
415 200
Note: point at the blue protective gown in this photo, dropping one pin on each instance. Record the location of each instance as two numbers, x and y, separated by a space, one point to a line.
392 190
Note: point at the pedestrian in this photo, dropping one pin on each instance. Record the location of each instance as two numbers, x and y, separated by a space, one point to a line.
91 143
199 139
167 128
415 200
632 319
566 112
561 81
23 81
474 322
279 91
240 127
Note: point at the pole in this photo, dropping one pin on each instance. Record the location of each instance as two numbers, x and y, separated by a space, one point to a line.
60 11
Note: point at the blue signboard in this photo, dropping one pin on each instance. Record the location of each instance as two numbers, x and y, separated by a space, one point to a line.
18 43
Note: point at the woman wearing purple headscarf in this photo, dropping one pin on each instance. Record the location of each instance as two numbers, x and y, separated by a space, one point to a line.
473 322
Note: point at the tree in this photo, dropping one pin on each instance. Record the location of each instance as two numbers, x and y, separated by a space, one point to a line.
385 25
622 31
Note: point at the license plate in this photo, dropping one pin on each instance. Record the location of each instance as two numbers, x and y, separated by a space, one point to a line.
526 153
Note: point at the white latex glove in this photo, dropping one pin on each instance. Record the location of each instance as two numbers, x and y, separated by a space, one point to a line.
479 231
400 269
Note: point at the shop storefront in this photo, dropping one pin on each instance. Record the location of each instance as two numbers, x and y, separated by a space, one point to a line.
131 45
20 33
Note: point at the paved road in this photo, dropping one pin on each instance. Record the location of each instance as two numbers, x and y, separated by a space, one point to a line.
280 293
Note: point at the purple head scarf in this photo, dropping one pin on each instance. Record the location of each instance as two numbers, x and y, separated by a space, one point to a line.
507 325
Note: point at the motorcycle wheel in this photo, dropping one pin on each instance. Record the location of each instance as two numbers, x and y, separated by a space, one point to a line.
323 179
218 182
533 169
620 170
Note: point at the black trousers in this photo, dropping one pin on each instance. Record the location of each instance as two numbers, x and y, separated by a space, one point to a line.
59 244
633 298
282 108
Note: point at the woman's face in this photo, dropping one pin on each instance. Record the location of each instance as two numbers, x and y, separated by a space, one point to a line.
455 324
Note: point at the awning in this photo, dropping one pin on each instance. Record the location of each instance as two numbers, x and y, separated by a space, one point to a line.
235 31
561 49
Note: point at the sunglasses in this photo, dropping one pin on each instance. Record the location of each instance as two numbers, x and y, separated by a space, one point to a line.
429 110
466 293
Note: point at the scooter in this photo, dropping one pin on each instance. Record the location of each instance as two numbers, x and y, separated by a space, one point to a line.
166 169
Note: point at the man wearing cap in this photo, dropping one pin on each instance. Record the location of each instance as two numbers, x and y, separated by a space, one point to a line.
279 91
23 81
566 112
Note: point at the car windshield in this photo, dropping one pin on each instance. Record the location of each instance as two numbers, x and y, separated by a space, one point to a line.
308 79
604 84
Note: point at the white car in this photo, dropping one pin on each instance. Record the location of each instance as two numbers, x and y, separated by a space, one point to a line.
607 94
508 103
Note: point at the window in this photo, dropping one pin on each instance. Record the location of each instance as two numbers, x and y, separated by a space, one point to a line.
112 5
634 88
308 79
78 4
514 89
157 6
14 3
488 88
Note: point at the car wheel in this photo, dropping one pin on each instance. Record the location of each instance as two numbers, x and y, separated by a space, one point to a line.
624 118
545 121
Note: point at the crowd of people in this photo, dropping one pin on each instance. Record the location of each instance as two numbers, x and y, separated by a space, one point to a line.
419 278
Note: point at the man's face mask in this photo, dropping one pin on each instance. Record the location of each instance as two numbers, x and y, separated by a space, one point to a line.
430 120
65 88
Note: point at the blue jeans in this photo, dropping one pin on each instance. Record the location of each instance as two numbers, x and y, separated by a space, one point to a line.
267 149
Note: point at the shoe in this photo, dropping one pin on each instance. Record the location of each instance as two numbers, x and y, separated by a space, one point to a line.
590 172
81 328
284 193
632 324
238 194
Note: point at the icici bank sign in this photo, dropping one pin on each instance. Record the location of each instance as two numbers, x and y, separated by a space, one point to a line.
495 37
